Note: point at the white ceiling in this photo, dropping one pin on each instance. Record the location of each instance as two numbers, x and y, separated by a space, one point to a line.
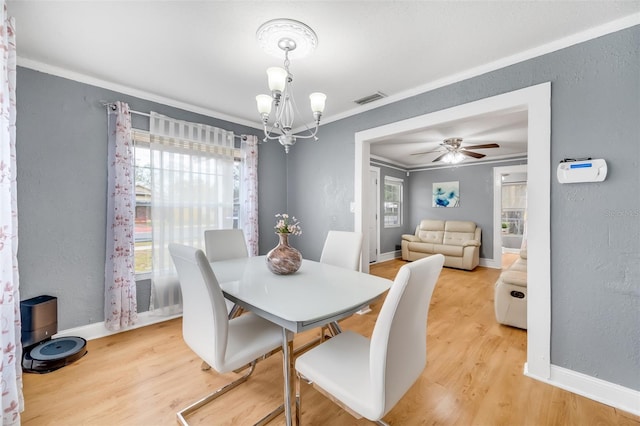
203 56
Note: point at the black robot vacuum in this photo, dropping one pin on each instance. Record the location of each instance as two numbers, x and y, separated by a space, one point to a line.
41 352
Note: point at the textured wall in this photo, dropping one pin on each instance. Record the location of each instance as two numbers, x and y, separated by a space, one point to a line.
595 227
61 160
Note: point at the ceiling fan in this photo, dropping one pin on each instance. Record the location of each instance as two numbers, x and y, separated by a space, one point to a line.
454 153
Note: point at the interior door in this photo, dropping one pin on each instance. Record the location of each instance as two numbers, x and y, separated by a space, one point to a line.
374 209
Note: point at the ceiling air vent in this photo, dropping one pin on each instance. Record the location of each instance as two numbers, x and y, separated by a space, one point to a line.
370 98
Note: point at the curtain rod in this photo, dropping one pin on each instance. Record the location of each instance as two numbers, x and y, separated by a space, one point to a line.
145 114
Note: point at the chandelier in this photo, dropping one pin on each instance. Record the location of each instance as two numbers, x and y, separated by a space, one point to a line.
297 40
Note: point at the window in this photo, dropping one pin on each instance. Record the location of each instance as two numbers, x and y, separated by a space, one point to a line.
514 204
143 180
392 202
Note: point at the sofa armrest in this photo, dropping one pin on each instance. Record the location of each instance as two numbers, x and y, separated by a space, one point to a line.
410 238
471 243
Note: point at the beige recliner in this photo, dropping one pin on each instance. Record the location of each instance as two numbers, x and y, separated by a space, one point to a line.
510 294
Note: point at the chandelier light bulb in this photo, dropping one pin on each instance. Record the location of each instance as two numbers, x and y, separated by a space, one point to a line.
317 102
264 104
277 78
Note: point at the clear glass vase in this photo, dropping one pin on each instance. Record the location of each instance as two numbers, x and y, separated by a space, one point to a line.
283 259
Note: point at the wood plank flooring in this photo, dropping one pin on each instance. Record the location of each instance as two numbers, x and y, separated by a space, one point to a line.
473 376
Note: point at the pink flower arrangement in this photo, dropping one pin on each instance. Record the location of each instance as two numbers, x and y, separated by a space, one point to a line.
287 225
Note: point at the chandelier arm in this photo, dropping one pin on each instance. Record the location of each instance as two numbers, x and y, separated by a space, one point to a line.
313 134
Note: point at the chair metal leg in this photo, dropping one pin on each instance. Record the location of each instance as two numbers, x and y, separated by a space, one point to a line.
221 391
333 328
235 312
217 393
272 415
381 423
298 402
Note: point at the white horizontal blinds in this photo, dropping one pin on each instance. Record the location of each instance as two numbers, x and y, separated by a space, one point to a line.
192 190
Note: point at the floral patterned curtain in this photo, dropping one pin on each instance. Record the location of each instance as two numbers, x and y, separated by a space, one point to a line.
12 398
120 306
249 192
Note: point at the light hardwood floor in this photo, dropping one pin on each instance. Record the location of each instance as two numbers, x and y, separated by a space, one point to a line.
473 376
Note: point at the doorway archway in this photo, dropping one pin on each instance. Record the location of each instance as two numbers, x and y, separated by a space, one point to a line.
536 100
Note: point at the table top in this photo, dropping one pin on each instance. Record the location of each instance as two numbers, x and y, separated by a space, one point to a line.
311 297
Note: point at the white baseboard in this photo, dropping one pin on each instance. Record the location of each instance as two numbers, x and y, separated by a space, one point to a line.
383 257
489 263
608 393
98 329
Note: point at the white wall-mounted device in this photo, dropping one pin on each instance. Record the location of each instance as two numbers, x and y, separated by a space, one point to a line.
582 170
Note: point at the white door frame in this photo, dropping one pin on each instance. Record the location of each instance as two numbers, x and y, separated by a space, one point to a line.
536 100
497 208
376 170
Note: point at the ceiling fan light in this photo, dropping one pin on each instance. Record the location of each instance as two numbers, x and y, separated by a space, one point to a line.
453 158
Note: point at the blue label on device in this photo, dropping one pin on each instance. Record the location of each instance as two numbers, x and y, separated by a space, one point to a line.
580 166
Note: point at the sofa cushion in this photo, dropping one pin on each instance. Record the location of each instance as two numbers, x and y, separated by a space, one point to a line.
448 250
457 238
518 278
460 226
434 225
431 231
519 265
421 247
457 232
432 237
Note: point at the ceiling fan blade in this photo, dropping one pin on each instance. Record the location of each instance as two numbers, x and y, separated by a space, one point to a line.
426 152
471 154
439 158
482 146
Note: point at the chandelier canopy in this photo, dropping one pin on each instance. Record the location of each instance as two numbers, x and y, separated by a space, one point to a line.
295 40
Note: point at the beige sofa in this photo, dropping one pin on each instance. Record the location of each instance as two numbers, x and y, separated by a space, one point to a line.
510 294
458 241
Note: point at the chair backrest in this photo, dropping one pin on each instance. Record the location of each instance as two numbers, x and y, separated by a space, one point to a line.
204 318
342 248
224 244
399 340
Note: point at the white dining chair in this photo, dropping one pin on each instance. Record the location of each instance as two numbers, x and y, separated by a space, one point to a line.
343 249
367 377
224 344
224 244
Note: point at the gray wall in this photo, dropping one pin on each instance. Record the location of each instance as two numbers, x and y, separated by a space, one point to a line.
595 228
61 161
476 198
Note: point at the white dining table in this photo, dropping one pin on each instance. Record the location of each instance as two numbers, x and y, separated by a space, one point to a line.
316 295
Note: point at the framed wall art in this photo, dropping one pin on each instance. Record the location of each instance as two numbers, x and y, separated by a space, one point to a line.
446 194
